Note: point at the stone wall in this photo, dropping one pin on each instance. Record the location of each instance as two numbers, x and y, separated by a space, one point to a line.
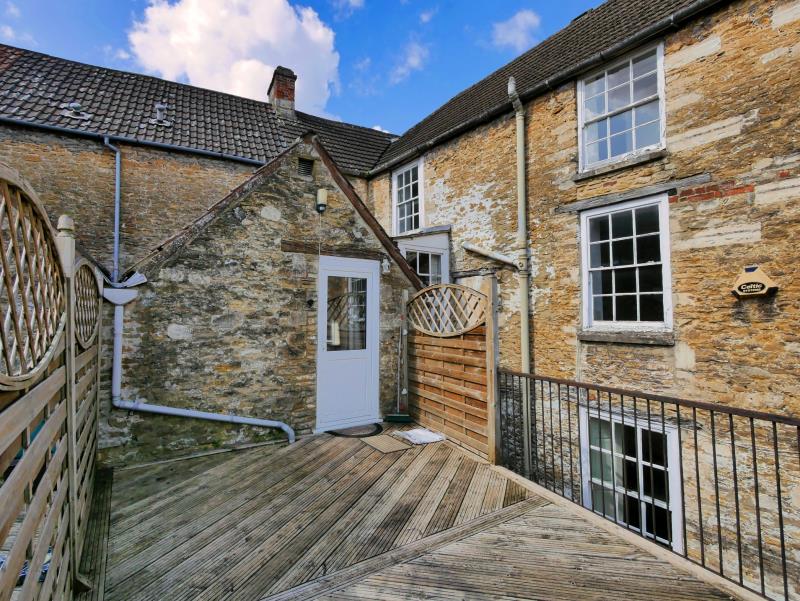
731 80
161 191
228 324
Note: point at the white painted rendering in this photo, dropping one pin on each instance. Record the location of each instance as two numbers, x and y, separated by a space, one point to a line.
689 54
785 14
740 233
706 134
781 191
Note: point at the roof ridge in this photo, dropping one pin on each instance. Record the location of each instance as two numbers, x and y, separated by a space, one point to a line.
352 125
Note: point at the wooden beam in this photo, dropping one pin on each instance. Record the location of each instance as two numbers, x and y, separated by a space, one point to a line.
616 197
348 190
310 248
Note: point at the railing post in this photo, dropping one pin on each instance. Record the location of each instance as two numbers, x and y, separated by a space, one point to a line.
65 241
492 404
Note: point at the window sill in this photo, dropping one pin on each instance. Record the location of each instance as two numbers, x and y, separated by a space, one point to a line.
643 337
653 155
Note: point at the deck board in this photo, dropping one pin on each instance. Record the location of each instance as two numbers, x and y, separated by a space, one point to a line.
332 517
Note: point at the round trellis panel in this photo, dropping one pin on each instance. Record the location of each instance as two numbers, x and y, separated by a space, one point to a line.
445 310
87 300
32 299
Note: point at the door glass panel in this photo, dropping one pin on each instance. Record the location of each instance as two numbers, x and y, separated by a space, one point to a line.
347 313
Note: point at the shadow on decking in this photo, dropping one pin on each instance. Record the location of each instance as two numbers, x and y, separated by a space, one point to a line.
334 518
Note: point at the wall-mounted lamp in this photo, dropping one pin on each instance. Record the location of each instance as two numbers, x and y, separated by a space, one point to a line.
385 265
322 200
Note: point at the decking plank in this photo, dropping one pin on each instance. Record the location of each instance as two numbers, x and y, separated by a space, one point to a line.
333 518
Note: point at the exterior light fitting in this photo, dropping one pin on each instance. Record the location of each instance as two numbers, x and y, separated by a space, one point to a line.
322 200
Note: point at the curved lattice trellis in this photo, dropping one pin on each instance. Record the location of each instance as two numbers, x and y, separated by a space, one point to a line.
87 298
446 310
32 299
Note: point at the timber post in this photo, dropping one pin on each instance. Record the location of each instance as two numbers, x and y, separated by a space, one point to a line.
65 242
493 409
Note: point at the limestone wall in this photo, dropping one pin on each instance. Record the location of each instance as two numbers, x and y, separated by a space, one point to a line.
229 324
731 112
161 191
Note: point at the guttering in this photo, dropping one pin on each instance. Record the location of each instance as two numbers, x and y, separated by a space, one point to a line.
665 24
134 141
117 175
523 257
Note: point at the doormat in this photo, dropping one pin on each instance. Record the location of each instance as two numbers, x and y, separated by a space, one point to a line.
385 443
358 431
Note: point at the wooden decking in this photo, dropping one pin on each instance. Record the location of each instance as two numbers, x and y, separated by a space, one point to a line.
334 518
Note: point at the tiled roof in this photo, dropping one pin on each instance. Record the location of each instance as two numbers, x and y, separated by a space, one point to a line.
597 30
37 88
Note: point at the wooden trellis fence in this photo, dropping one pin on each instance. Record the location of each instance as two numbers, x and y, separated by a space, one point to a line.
452 364
49 378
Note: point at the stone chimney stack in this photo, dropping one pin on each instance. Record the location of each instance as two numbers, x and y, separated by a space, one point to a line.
281 91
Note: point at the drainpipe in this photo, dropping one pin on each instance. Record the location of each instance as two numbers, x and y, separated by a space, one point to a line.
523 266
122 293
523 260
117 176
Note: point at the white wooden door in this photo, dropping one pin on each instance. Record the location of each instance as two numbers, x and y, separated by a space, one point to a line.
347 347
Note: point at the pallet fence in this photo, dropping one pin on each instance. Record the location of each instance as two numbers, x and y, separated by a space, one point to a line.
50 304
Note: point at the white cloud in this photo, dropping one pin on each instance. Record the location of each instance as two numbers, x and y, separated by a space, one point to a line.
517 32
12 10
379 128
345 8
426 15
363 65
7 33
234 46
413 59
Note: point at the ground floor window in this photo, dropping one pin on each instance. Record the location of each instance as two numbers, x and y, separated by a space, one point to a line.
428 266
630 474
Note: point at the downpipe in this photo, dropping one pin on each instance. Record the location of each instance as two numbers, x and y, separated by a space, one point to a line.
523 266
119 297
122 293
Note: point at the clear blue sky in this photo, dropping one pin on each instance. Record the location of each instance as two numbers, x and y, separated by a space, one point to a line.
384 63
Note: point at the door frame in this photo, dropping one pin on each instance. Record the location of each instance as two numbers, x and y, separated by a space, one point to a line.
360 268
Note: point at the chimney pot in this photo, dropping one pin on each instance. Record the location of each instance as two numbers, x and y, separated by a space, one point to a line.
281 91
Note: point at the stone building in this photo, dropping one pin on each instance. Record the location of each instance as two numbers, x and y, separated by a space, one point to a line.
660 158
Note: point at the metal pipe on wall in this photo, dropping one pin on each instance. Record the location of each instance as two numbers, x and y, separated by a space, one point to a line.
122 293
117 186
523 261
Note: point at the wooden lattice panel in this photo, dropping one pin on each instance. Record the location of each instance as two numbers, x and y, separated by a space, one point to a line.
447 310
32 297
87 297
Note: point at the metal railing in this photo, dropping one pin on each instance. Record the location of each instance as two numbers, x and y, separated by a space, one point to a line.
718 485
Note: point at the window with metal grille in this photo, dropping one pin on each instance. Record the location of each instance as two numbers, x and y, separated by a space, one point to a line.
629 466
305 167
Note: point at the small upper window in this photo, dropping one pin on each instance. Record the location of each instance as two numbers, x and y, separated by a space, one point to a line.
427 265
407 199
621 110
626 265
305 167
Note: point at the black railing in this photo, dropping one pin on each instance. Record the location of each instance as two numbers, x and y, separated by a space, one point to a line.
718 485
